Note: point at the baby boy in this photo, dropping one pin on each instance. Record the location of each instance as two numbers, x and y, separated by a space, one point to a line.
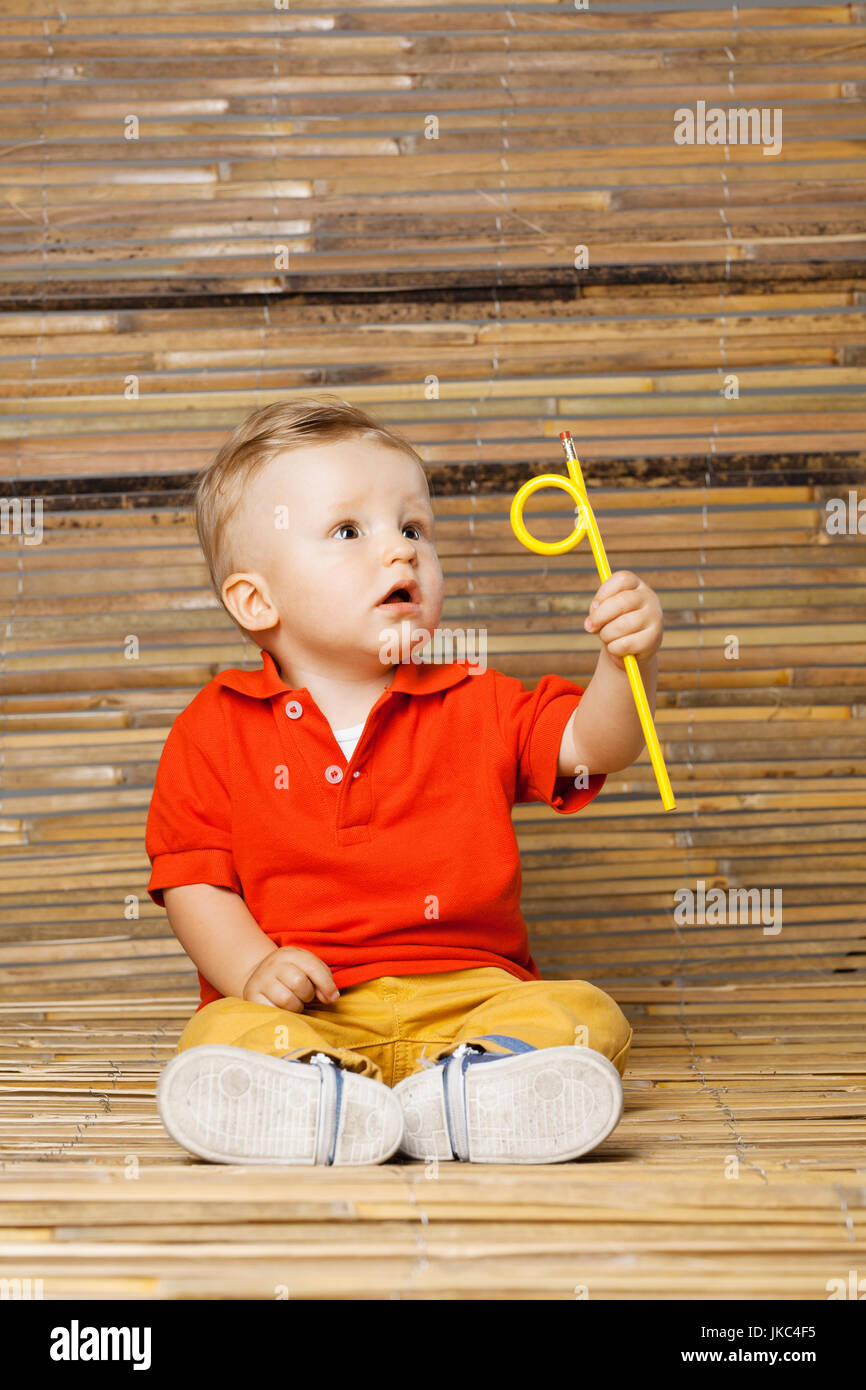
331 834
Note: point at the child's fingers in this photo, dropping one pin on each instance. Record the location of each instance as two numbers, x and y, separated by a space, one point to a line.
611 608
319 977
626 625
328 993
326 990
620 580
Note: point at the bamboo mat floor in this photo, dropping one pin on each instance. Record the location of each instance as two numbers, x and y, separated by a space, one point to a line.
738 1171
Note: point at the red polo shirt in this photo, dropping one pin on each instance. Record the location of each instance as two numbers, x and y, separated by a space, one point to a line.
402 861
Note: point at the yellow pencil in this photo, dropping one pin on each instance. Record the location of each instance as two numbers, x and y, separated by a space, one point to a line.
586 524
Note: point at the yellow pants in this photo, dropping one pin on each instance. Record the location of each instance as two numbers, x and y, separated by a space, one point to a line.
384 1028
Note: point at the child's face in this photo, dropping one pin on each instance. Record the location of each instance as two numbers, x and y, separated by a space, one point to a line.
332 528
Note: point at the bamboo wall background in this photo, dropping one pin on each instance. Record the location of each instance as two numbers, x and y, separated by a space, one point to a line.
152 260
282 225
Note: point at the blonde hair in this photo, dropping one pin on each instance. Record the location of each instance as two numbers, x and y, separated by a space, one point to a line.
303 420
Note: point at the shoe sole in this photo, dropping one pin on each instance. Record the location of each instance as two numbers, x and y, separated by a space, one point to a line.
545 1106
233 1105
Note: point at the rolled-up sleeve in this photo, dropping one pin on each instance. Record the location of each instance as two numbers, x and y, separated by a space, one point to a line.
532 723
188 834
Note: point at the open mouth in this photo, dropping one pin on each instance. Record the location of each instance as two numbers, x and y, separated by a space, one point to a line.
399 597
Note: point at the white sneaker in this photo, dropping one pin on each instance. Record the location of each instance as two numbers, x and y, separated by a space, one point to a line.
233 1105
540 1105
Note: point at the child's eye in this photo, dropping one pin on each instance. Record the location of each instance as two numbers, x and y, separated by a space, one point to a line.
415 526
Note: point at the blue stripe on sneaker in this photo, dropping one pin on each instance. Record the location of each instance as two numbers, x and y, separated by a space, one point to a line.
448 1125
513 1045
338 1070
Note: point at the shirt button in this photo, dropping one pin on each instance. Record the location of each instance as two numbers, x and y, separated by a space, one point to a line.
294 709
356 774
334 773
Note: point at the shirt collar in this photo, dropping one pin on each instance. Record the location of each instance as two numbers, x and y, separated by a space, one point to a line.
410 677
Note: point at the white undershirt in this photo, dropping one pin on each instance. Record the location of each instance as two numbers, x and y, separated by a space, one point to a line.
348 739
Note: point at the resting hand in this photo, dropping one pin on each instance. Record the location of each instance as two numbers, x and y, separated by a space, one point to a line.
289 978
